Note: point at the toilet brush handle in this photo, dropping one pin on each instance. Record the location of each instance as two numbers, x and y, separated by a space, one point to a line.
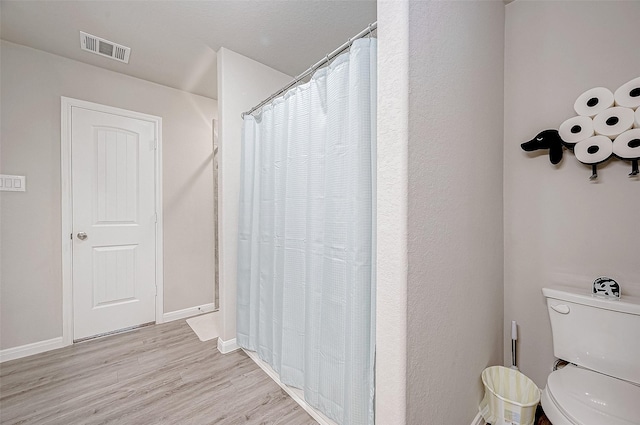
514 338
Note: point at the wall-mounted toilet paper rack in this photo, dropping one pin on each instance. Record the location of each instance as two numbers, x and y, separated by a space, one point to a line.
607 126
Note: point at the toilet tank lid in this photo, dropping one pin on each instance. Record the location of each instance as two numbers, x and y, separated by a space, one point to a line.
626 303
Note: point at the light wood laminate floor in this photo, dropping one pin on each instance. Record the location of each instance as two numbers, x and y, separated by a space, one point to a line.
162 374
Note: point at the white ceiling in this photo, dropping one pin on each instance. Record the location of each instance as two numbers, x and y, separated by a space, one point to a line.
174 43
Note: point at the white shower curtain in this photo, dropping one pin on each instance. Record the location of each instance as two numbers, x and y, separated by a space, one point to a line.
306 277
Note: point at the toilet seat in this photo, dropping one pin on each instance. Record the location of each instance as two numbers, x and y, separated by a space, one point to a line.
577 396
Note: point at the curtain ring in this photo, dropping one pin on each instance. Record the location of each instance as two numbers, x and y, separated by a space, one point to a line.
370 30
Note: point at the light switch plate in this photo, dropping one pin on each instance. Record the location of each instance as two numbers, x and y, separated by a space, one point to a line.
10 183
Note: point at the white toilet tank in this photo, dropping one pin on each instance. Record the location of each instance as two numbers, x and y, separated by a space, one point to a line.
596 333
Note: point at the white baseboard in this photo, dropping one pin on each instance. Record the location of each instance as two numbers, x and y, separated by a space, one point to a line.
226 347
187 312
478 420
31 349
295 393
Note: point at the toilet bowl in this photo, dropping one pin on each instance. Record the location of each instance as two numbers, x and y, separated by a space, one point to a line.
577 396
601 340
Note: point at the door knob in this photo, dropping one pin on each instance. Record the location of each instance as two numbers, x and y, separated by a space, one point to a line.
82 236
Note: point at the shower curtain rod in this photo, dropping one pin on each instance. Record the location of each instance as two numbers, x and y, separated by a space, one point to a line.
367 31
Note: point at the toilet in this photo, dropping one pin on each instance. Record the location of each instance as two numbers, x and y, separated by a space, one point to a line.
600 338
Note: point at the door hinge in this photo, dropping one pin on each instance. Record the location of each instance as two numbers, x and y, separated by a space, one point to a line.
71 236
155 216
155 144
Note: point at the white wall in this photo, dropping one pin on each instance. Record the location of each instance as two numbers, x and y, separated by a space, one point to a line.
392 174
242 83
31 85
445 61
560 228
455 281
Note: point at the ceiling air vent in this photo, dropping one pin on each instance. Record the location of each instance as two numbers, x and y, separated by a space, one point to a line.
103 47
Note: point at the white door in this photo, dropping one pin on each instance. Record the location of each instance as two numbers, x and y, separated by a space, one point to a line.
114 222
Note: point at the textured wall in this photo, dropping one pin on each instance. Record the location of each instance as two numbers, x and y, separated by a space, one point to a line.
560 228
455 243
391 262
31 84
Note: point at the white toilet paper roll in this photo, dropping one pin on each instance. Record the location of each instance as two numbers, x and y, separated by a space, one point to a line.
576 129
628 95
594 101
637 120
594 150
627 145
613 122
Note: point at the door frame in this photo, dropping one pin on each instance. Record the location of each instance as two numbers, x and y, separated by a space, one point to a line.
67 104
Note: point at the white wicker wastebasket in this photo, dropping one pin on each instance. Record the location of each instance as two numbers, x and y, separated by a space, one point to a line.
510 398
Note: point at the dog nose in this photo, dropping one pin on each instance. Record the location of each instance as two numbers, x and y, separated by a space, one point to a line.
529 146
